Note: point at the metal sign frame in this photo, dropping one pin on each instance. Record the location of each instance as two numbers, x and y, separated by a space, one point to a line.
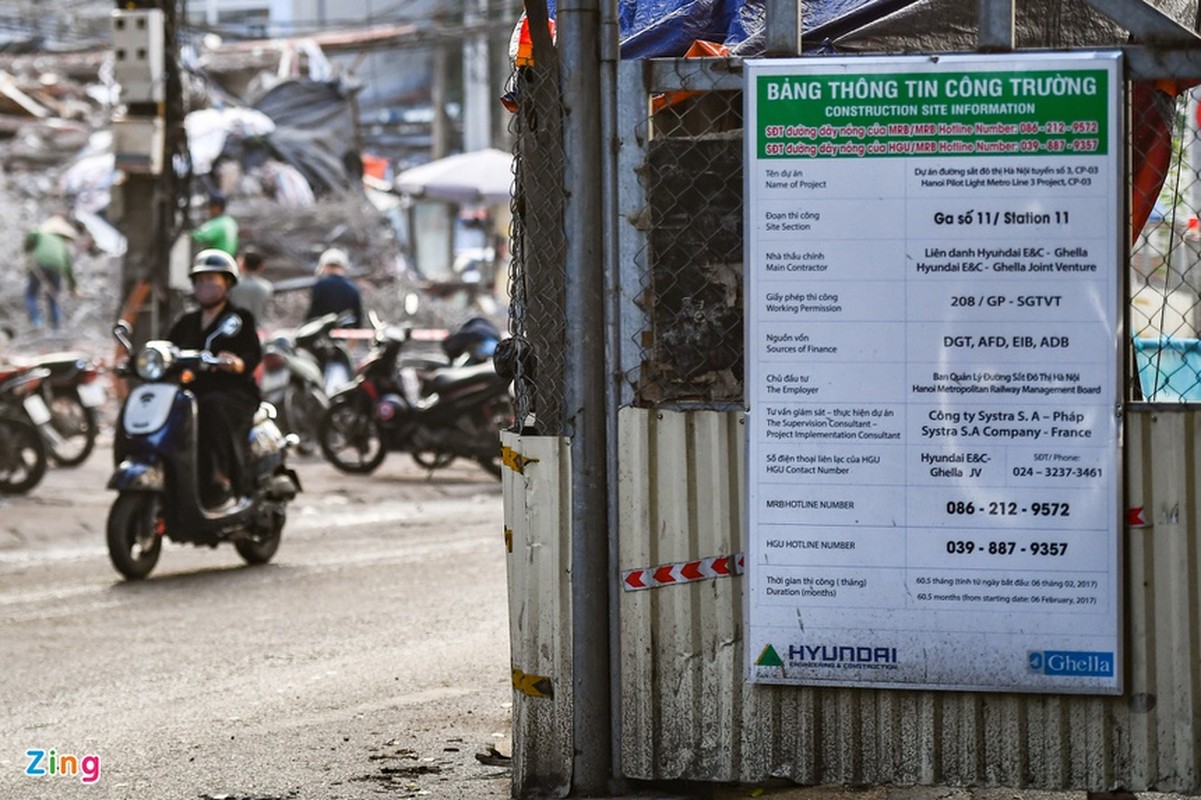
934 327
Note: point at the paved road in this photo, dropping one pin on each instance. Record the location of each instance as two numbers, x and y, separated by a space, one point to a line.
369 659
371 656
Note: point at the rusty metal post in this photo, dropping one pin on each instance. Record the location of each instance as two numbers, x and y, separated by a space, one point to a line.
584 402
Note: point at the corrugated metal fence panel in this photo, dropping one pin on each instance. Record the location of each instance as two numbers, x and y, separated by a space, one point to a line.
1164 574
537 494
680 499
686 711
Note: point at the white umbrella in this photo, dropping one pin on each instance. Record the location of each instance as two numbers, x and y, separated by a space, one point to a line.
484 176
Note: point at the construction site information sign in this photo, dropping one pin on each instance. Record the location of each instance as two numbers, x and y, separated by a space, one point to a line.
932 373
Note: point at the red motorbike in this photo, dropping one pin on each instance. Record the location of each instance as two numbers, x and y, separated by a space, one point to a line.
74 392
23 416
459 412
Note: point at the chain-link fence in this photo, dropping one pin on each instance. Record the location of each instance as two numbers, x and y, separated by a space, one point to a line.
681 184
538 272
1165 260
689 264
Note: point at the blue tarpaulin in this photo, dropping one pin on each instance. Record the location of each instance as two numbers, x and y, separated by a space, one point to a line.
666 28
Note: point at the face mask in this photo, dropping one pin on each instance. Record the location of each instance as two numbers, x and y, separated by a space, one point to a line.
208 295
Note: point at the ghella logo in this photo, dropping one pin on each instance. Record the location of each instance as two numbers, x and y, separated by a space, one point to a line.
1074 663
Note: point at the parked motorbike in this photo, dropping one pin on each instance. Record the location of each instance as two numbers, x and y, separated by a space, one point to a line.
73 392
155 452
332 356
23 456
472 343
461 413
291 380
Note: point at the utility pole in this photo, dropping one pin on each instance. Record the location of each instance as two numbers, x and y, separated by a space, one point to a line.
147 134
440 129
477 80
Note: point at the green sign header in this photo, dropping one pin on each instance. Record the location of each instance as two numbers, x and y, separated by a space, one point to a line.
1021 113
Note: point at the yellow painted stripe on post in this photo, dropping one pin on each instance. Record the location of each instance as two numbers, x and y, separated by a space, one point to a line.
532 685
514 460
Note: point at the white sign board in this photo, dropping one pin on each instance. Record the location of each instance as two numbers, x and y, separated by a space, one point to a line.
933 329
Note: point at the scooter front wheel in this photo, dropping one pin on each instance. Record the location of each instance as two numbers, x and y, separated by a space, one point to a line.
135 533
260 548
22 456
350 438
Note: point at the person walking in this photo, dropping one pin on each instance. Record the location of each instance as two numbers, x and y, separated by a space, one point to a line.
253 292
221 231
50 266
334 292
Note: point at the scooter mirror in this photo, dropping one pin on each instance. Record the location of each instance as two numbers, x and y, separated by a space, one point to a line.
228 327
231 325
121 332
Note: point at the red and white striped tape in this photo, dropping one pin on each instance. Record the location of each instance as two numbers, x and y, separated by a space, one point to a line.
416 334
633 580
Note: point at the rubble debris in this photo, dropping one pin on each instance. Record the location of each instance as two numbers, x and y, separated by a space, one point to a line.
493 758
293 179
15 101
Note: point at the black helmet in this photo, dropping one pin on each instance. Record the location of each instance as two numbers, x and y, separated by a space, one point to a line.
213 260
514 358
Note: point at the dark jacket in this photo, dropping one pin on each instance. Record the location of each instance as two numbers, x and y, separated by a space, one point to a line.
334 294
186 333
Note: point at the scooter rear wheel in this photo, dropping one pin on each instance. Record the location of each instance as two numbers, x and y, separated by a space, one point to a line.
304 406
432 460
350 438
76 425
134 538
22 456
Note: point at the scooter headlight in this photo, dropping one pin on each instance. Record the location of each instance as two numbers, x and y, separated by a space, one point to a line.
153 361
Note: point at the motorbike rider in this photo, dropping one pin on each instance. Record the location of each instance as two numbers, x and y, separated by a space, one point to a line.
334 292
227 397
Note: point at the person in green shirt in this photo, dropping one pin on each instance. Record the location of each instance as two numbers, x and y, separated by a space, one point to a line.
50 264
220 232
